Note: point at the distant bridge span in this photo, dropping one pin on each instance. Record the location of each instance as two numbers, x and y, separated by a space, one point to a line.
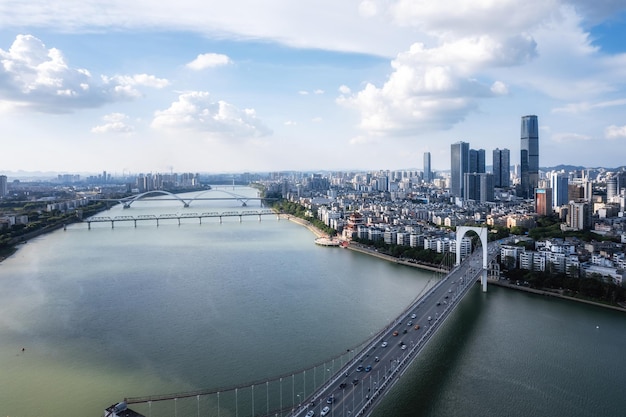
126 202
199 216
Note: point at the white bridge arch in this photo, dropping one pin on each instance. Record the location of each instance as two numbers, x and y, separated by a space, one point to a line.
461 231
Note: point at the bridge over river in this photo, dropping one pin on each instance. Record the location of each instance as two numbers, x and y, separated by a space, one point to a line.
157 219
350 384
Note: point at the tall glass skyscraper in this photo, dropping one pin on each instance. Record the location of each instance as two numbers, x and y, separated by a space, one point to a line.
560 185
428 176
459 165
529 155
477 160
501 168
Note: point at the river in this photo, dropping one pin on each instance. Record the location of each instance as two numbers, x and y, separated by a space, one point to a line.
108 313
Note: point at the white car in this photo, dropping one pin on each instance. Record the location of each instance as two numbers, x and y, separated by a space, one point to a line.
311 413
325 411
384 344
413 315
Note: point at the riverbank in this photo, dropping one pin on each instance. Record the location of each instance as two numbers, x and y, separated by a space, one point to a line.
546 293
389 258
317 232
358 248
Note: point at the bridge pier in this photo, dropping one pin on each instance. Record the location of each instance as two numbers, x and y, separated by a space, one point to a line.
220 219
240 218
112 224
157 222
259 217
88 225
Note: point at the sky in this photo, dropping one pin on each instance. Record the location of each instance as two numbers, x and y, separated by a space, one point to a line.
247 86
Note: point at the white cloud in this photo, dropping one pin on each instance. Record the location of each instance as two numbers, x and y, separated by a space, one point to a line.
587 106
460 18
194 111
570 137
115 123
35 77
318 91
303 93
368 8
283 21
210 60
290 123
435 88
499 88
344 89
615 132
317 119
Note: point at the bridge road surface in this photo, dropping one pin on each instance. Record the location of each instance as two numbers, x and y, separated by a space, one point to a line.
362 383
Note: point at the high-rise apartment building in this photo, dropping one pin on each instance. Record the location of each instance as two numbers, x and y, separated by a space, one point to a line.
459 165
428 176
478 186
501 168
579 216
529 155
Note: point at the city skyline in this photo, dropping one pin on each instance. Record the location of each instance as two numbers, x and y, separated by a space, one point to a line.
357 85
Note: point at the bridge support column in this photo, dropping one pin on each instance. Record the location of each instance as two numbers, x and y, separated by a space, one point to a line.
135 220
179 221
220 219
112 224
88 225
259 217
157 222
240 218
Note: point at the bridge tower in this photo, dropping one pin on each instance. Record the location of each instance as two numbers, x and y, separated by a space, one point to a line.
482 234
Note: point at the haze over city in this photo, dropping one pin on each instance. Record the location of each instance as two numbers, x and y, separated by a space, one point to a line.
247 86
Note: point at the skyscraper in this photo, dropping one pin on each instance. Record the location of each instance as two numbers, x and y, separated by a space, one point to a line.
478 186
477 160
427 172
501 168
4 188
529 155
459 165
559 184
543 201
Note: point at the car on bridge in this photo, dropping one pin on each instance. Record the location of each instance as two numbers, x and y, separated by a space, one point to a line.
359 368
325 411
311 413
384 344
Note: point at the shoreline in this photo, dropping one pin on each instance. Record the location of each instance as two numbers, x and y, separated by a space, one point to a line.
547 293
358 248
351 246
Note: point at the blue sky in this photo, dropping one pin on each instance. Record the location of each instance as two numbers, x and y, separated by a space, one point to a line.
205 86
